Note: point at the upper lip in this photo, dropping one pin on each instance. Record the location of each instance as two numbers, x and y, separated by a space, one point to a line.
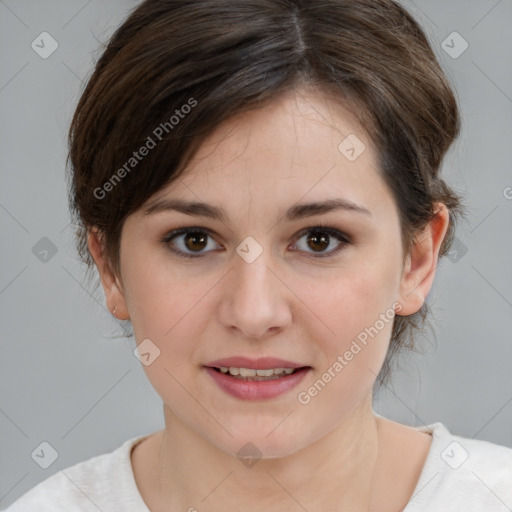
262 363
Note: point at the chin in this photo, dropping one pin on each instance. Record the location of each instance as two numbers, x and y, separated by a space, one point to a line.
255 450
248 441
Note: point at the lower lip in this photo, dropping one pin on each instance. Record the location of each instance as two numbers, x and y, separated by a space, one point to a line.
256 389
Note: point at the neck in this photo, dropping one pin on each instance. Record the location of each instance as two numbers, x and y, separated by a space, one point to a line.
193 473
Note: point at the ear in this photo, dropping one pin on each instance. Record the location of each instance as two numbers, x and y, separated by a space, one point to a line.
111 284
420 266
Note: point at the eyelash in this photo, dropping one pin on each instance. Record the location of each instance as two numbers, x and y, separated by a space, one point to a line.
321 228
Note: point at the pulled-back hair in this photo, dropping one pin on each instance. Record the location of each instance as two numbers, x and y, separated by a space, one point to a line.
176 69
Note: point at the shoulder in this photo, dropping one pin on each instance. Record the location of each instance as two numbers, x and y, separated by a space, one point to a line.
462 471
91 485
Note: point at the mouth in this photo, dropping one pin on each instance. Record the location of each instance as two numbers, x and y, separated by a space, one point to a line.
257 374
257 383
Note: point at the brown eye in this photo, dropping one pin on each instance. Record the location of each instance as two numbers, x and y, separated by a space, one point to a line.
192 242
318 241
195 241
188 242
319 238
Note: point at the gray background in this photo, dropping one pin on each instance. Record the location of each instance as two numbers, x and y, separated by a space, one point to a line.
67 381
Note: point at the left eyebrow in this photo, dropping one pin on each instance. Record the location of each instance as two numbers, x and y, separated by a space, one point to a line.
296 212
300 211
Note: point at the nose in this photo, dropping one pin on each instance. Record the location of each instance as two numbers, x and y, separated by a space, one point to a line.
255 300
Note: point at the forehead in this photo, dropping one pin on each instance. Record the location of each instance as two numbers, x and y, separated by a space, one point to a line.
299 148
295 124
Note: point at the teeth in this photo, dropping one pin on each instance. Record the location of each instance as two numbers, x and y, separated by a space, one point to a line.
265 373
251 372
244 372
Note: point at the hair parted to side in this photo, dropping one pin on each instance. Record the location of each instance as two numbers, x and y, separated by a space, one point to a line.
225 57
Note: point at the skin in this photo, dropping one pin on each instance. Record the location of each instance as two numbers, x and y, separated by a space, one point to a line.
287 304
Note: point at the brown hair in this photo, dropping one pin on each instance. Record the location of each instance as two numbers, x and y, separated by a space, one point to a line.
175 69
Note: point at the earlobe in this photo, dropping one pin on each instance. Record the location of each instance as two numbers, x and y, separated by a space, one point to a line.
421 263
113 290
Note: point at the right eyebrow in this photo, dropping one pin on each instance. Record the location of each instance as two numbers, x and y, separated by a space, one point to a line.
295 212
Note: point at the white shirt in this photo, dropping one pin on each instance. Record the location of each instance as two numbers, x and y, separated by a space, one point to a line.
459 475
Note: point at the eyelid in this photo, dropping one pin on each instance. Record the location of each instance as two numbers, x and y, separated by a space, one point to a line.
327 228
174 233
342 237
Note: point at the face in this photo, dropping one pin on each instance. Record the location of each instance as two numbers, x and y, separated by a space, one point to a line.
258 283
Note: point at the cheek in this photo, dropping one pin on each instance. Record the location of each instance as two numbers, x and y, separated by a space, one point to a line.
350 357
170 308
157 294
356 314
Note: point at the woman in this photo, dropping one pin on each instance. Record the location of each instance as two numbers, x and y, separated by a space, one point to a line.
258 185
